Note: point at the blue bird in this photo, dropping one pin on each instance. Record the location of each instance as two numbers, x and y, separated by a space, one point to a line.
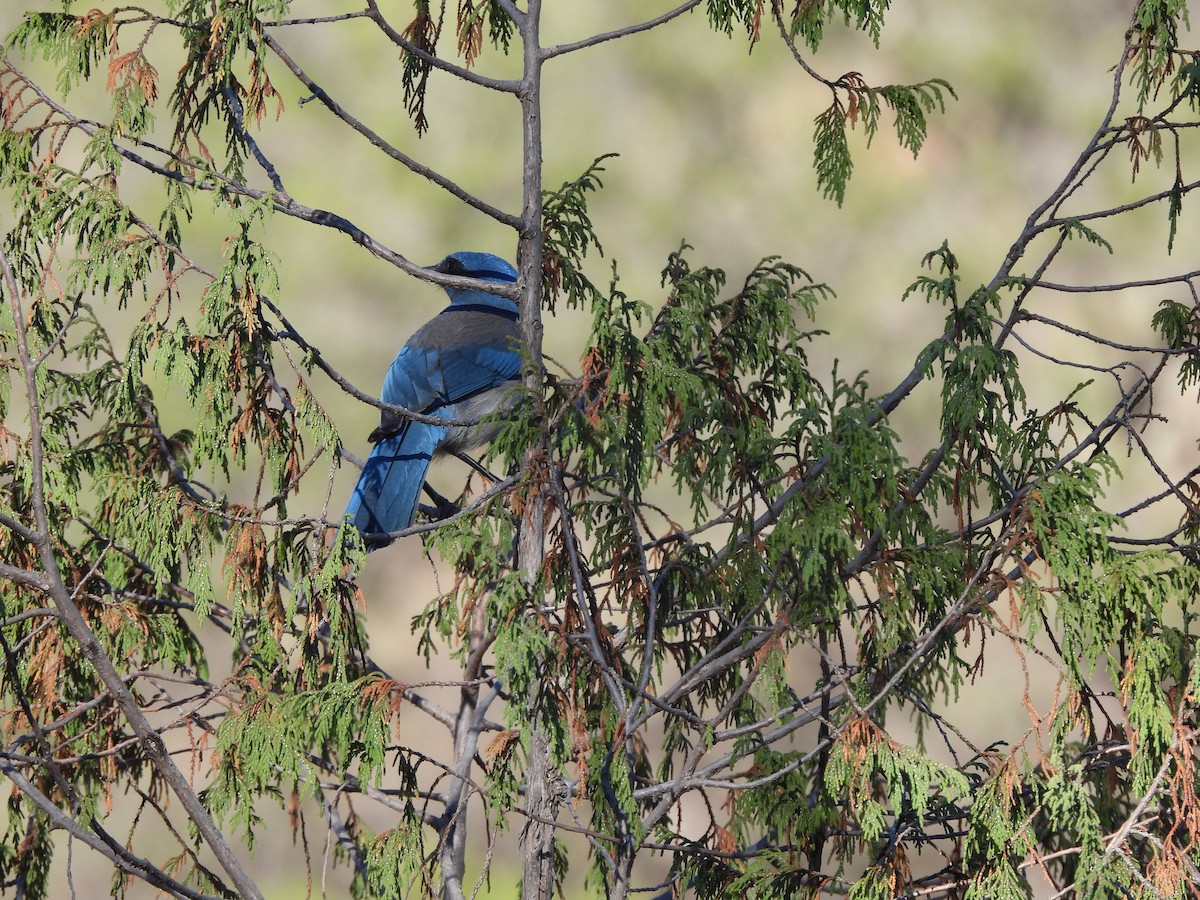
462 364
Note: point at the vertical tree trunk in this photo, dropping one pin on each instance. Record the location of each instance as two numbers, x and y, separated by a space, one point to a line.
541 800
541 795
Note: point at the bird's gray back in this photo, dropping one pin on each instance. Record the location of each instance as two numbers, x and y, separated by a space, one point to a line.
467 325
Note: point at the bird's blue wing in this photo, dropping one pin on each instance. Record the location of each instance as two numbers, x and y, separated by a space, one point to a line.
467 349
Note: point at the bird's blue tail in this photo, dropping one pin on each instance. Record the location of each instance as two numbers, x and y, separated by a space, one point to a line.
386 496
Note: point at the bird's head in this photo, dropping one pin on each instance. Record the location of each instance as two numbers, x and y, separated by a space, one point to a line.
471 264
486 267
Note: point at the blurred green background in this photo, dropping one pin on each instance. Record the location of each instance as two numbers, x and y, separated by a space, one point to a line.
715 147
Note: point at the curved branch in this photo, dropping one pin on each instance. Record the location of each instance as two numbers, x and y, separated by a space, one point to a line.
507 86
120 857
378 142
562 49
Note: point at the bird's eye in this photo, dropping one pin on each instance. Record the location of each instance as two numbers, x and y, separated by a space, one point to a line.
452 266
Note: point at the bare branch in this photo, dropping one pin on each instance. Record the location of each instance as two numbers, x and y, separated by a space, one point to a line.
121 858
378 142
496 84
36 580
593 40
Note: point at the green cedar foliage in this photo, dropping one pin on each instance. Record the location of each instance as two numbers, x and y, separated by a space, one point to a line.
745 582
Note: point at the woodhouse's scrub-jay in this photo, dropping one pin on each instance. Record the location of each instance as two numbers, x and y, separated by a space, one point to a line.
459 365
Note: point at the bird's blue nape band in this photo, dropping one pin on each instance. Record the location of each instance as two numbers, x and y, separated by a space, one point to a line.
509 314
